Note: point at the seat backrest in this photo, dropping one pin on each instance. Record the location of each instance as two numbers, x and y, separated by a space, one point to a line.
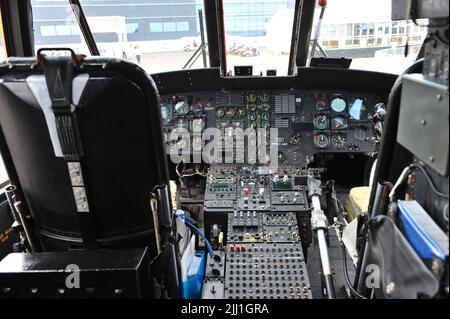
120 129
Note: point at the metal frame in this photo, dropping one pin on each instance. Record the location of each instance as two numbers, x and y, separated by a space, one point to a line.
17 26
295 37
17 21
212 33
16 18
215 27
304 37
201 50
84 26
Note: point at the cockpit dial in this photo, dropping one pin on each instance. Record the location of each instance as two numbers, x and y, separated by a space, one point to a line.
251 97
321 122
181 107
230 113
321 140
338 105
220 112
339 140
294 139
242 112
264 97
197 107
339 122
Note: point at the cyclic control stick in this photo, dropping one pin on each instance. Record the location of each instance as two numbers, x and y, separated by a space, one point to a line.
319 224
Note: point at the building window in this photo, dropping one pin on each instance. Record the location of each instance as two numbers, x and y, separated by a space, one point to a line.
156 27
179 26
48 30
169 27
132 28
182 26
75 29
63 30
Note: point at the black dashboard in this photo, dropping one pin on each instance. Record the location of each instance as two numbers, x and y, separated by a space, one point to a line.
338 116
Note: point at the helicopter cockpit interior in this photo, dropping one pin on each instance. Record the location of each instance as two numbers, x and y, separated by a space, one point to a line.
224 149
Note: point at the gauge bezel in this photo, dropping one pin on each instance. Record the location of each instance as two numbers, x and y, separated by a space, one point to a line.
230 109
241 112
367 106
338 98
319 128
217 110
361 127
317 133
187 109
252 100
339 128
339 133
326 106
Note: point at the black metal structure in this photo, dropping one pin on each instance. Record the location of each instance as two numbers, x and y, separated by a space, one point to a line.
216 34
305 27
84 26
126 220
18 27
212 33
295 37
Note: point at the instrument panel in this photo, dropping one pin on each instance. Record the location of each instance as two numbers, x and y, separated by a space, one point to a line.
308 122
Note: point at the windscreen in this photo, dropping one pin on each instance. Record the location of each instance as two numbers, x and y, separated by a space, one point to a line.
3 175
160 35
258 33
364 31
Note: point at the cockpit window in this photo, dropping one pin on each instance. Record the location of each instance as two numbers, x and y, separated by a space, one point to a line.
54 25
258 33
364 31
2 42
160 35
3 174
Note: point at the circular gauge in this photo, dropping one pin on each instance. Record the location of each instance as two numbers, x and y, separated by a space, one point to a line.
230 113
358 110
321 105
251 107
321 140
339 122
165 113
380 108
361 133
242 112
252 116
220 113
264 97
182 107
264 124
338 105
251 124
264 116
281 157
294 139
320 122
265 106
251 97
197 108
339 140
